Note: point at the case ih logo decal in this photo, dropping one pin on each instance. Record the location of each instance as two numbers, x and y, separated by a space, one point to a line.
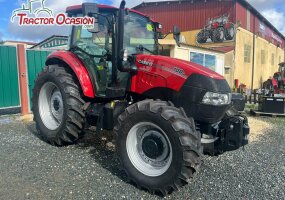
179 71
144 62
36 13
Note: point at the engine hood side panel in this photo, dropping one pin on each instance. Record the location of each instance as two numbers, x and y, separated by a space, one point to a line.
181 82
166 72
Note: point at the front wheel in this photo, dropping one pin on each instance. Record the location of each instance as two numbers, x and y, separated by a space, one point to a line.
202 37
158 146
230 32
218 35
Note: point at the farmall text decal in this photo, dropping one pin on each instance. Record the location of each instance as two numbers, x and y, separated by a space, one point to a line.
36 13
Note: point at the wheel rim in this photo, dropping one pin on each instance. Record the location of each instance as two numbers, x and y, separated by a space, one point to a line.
222 35
50 106
149 149
232 32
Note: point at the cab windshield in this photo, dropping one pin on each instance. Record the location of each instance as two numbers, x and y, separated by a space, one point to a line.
96 43
139 35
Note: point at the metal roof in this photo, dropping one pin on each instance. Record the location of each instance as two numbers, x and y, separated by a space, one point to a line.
49 38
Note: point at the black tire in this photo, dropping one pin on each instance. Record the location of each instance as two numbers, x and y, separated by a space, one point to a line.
71 126
218 35
184 139
230 32
201 37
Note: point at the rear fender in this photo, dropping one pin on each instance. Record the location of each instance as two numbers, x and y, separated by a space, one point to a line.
77 67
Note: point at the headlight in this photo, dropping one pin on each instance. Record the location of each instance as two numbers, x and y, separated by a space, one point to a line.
211 98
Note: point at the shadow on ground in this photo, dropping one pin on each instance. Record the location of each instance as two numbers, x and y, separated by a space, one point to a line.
101 149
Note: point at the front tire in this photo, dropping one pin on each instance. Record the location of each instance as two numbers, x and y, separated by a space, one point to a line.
218 35
201 37
230 32
58 106
158 146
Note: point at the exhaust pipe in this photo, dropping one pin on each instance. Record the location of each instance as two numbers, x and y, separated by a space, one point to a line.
123 64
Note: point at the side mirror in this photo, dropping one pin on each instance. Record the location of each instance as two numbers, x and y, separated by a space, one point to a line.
176 35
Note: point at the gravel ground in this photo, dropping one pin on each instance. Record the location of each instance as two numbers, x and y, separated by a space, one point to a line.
31 169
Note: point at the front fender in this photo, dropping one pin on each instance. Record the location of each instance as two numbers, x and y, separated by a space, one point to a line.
77 67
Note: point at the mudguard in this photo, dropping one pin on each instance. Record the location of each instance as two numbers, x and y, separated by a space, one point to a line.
78 68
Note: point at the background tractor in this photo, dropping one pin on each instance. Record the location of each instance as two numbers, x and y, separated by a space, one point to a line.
217 29
276 84
163 110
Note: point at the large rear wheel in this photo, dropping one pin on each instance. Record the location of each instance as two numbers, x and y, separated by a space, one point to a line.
158 146
58 106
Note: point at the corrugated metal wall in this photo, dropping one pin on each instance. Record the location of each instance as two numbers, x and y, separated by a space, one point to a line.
9 80
187 15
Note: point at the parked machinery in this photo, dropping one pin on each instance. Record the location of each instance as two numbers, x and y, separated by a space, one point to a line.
162 110
217 29
276 84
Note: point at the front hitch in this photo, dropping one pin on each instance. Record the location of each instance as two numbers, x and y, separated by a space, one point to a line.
228 135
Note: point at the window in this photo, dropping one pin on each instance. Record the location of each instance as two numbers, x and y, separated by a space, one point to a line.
139 31
247 52
210 61
205 60
197 58
272 59
262 56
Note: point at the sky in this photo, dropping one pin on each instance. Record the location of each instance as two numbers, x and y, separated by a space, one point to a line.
273 10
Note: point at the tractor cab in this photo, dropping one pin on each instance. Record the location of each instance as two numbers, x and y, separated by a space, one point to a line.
109 48
280 77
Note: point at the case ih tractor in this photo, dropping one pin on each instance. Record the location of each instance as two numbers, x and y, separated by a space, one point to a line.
163 111
276 85
217 29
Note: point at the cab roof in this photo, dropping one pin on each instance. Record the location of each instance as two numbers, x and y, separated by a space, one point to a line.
78 9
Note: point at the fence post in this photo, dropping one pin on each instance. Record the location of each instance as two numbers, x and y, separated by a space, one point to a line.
23 79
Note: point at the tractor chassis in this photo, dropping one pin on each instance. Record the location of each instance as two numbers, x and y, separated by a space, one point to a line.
227 135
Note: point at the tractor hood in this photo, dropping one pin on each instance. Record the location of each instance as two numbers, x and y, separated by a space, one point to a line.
181 66
196 68
184 83
177 72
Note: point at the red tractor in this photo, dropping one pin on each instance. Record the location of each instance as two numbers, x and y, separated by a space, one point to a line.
276 85
217 29
163 110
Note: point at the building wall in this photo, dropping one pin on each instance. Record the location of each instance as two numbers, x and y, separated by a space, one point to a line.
192 16
230 67
243 70
267 57
246 19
